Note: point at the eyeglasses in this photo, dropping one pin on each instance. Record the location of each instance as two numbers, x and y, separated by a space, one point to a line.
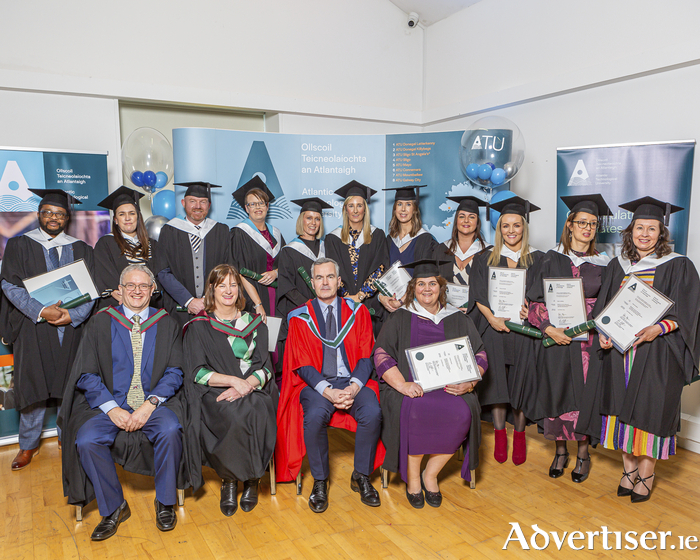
256 204
587 225
49 214
131 287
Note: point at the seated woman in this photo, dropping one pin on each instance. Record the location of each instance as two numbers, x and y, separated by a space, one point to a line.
417 423
230 390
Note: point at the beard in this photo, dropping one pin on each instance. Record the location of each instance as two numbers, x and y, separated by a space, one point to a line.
53 232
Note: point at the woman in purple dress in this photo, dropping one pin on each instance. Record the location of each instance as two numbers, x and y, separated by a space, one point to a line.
416 423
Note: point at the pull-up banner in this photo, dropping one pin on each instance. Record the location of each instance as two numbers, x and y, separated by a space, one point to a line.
626 172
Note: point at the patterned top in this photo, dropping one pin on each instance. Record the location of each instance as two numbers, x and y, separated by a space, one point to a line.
368 286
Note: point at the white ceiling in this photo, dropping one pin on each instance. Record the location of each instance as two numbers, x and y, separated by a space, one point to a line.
431 11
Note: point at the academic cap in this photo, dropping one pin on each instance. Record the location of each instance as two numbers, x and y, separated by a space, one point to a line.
123 195
353 188
425 268
409 192
515 205
590 203
312 204
255 183
200 189
649 208
55 197
468 203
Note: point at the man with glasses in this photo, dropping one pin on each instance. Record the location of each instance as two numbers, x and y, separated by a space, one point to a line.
127 370
43 351
188 249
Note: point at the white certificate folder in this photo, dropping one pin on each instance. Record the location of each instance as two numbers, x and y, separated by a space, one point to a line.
62 284
444 363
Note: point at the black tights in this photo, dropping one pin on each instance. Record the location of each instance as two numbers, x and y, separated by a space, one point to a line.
499 417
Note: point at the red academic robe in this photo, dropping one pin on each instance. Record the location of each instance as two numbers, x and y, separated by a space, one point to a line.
304 349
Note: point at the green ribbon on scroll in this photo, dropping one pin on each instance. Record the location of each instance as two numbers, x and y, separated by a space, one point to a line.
572 332
524 329
255 276
72 304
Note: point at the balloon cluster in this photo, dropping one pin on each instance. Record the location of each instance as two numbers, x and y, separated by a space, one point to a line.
149 181
147 159
486 172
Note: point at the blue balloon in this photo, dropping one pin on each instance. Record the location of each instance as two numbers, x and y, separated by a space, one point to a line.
491 165
498 176
161 179
137 178
472 170
502 195
164 204
149 178
485 172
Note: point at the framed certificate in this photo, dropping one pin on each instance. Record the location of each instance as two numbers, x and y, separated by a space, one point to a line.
507 292
457 294
565 303
394 281
62 284
635 306
444 363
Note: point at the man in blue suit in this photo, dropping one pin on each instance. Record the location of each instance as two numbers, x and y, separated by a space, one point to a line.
127 367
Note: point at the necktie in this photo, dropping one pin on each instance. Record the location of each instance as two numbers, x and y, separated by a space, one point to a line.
330 355
134 397
195 240
53 257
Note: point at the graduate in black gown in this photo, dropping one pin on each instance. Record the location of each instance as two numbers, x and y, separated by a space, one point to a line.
127 244
568 372
640 390
302 251
188 249
406 239
503 390
43 351
230 390
466 240
360 250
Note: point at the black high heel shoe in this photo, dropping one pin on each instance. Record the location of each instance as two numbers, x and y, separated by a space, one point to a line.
433 499
579 477
639 498
555 472
623 492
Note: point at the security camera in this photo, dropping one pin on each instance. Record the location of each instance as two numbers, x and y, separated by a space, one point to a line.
413 20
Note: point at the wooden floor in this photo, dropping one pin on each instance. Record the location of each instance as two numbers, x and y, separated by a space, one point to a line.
36 522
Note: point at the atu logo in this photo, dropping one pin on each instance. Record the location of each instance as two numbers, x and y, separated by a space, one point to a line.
14 190
579 178
494 144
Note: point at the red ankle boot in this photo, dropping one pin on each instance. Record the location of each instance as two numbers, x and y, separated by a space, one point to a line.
519 447
500 450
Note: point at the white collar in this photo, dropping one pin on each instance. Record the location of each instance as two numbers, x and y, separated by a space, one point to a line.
46 241
188 227
128 313
649 261
254 233
400 242
601 259
298 245
510 254
473 249
417 309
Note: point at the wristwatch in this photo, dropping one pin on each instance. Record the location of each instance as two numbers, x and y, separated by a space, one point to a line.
154 401
362 296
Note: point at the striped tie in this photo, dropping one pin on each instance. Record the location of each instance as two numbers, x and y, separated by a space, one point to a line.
195 240
134 397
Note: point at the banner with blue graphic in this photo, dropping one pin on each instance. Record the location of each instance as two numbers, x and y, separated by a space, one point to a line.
622 173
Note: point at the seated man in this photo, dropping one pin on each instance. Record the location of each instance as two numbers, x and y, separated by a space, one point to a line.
332 342
127 366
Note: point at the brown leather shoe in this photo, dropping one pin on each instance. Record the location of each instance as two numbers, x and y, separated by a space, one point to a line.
23 458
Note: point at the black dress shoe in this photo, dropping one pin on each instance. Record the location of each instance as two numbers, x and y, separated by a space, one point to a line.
579 476
165 516
416 500
229 497
368 495
623 492
249 497
109 525
554 472
433 499
639 498
318 500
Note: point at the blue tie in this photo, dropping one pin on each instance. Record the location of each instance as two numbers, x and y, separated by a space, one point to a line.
53 257
330 355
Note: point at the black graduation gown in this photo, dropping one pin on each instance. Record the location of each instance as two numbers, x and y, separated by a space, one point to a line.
237 438
248 254
109 263
442 253
175 252
652 400
292 290
372 255
510 354
95 356
42 364
395 338
424 248
559 386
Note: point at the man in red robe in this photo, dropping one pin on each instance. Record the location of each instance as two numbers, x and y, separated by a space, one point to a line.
327 369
